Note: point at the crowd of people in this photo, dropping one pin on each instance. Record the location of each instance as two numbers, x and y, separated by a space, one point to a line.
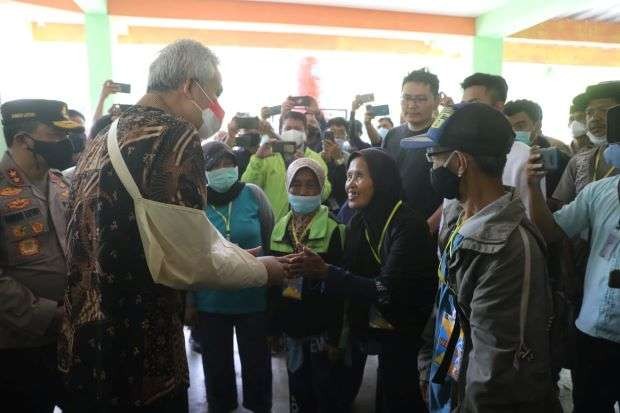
475 256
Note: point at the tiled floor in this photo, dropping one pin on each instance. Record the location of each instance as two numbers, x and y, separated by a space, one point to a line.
363 404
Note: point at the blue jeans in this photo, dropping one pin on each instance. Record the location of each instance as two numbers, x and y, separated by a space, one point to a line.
215 333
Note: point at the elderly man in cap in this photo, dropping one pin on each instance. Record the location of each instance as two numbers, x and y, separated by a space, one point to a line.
33 271
487 341
596 208
590 166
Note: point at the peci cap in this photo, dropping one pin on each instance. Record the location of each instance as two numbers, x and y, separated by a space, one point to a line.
603 90
50 112
474 128
613 125
214 152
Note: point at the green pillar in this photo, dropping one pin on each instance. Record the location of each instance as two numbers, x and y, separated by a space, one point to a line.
98 44
488 54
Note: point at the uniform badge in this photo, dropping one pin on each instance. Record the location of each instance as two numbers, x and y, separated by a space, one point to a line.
19 203
10 191
29 247
19 231
15 177
37 227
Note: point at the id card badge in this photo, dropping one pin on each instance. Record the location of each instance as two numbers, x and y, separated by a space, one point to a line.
293 288
610 246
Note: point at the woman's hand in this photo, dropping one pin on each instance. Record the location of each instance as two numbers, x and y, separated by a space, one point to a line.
308 264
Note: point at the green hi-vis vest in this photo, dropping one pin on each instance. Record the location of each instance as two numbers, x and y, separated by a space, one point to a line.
321 229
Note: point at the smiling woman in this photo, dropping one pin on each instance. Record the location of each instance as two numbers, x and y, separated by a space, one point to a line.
387 273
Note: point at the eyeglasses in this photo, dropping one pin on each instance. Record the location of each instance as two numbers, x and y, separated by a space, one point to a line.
413 99
431 155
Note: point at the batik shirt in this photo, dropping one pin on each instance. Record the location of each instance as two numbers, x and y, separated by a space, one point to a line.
122 339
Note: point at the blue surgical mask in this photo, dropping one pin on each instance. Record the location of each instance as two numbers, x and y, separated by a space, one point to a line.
523 136
221 180
612 155
304 204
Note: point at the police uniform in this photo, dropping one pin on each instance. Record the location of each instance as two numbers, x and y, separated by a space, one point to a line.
33 270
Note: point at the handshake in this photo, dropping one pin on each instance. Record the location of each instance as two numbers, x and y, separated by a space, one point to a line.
305 263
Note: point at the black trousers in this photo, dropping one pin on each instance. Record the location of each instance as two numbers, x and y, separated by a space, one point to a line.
596 375
215 333
30 380
321 385
398 383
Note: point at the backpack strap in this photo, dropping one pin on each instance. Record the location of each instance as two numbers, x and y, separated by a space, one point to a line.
524 353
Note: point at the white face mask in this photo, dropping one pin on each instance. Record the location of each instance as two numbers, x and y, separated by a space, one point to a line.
577 128
597 140
383 132
293 135
212 117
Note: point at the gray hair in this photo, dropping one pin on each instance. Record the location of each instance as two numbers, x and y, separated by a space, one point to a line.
180 61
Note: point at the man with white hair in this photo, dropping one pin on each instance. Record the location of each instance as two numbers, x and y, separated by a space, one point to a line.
122 345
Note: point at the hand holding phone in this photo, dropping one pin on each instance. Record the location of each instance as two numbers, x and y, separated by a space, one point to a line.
550 158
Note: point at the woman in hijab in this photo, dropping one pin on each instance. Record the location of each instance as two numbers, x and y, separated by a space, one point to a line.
388 274
240 212
311 322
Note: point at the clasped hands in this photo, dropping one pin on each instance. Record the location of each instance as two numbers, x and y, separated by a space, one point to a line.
305 263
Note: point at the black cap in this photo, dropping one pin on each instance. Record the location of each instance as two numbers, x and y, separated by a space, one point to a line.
474 128
613 125
214 152
50 112
603 90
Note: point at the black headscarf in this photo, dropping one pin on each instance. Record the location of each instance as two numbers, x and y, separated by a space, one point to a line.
387 192
214 152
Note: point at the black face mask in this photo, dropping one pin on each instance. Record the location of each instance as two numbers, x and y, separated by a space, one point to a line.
445 182
58 155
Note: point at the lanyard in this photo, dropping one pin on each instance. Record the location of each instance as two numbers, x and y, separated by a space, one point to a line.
225 219
448 250
596 162
375 252
296 240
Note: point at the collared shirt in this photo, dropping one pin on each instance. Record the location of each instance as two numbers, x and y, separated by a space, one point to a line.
597 207
581 170
33 271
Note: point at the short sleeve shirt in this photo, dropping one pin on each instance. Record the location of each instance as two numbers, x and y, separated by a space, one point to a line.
597 207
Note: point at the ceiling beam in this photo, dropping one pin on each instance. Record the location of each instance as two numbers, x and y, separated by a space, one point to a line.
516 16
93 6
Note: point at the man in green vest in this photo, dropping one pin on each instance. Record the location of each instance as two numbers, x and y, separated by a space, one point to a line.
267 168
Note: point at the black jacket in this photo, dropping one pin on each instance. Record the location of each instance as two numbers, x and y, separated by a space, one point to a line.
402 288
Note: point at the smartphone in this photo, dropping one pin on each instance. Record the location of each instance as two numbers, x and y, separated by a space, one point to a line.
274 110
550 158
301 100
367 98
123 87
248 140
247 122
380 110
285 148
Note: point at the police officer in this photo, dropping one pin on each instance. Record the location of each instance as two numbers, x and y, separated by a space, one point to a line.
33 201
